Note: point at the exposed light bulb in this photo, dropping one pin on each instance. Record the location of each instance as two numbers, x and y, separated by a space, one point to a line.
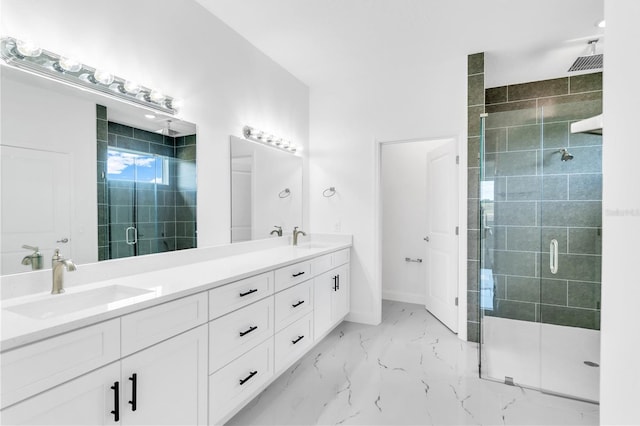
131 87
156 96
103 77
601 24
69 65
28 48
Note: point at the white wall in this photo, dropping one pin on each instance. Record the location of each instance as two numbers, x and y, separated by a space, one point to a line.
404 219
180 48
348 119
620 346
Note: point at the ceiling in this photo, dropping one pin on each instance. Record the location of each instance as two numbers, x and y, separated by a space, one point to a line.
324 42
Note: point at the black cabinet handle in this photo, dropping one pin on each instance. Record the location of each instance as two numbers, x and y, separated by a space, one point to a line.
298 274
295 305
335 283
338 281
246 379
134 392
116 401
248 292
297 340
243 333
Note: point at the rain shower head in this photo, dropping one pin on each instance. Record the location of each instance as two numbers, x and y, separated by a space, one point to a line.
591 61
565 155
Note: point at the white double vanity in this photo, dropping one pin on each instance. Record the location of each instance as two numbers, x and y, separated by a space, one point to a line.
188 344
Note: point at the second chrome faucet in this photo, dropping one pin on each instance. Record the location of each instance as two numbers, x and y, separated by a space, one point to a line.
295 235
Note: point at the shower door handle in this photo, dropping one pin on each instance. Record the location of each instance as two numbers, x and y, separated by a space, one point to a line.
553 256
135 235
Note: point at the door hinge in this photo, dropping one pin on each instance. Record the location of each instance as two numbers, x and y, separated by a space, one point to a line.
457 230
456 301
457 159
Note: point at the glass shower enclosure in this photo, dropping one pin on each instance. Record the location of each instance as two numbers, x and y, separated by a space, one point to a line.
540 247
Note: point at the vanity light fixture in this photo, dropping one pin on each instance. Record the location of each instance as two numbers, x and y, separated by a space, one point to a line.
29 57
256 135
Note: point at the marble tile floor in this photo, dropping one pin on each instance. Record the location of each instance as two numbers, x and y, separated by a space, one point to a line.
410 369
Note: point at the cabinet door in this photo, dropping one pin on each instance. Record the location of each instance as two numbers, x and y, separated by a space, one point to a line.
340 294
331 299
170 382
87 400
322 289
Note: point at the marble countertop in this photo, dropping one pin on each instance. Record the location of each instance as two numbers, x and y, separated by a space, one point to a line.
162 285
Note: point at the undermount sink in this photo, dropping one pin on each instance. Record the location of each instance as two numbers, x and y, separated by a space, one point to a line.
63 304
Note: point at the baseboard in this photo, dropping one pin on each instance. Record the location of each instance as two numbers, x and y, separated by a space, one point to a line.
400 296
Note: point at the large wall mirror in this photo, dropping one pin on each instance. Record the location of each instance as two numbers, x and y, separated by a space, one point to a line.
93 176
266 191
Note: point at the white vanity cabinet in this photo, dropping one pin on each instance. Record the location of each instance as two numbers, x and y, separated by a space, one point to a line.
164 382
331 292
193 360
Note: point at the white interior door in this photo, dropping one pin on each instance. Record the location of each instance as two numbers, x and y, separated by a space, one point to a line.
441 239
36 202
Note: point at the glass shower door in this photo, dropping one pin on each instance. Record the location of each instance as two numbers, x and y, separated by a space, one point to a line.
133 202
570 252
540 249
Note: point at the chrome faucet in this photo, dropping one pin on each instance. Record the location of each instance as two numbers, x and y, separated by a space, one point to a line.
277 231
58 263
34 259
295 235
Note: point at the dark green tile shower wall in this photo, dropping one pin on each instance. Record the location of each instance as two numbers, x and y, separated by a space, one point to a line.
475 106
531 208
167 215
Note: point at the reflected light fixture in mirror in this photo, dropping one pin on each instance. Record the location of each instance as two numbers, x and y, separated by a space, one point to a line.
256 135
29 57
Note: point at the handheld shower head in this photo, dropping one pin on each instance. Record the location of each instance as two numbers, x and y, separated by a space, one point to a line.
565 155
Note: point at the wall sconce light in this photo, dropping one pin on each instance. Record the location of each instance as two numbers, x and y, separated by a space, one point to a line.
256 135
31 58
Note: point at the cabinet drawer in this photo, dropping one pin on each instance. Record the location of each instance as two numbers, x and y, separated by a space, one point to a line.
234 334
234 296
150 326
292 275
341 257
239 381
34 368
322 263
293 341
293 303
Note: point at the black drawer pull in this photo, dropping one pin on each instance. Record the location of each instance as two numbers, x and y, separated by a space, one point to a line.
134 392
243 333
298 274
248 292
335 283
116 401
246 379
295 305
297 340
338 281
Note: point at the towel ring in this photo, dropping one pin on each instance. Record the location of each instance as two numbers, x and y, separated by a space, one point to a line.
329 192
284 193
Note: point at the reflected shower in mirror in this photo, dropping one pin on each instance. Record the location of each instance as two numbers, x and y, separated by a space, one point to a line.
266 191
146 187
